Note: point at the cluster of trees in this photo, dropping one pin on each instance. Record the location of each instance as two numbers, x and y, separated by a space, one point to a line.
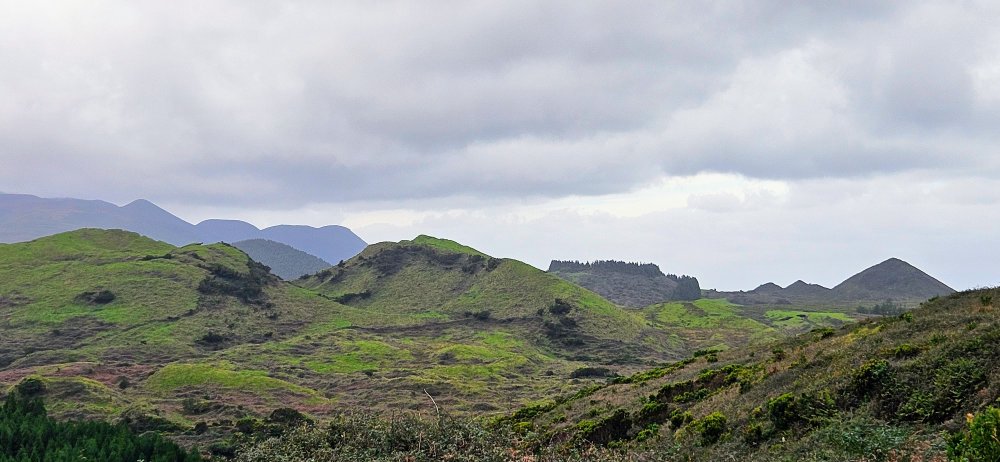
687 288
28 434
886 308
606 266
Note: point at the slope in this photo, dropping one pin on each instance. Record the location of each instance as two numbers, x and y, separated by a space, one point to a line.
880 388
117 324
285 261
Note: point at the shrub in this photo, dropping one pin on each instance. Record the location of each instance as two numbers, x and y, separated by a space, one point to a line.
753 434
711 428
614 427
560 307
648 432
871 380
806 410
592 372
99 297
979 441
905 350
679 418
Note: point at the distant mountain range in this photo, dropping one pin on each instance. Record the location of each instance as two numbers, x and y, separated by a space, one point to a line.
628 284
639 285
25 217
893 279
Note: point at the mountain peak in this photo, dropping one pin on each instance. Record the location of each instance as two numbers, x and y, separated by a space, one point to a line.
892 278
142 204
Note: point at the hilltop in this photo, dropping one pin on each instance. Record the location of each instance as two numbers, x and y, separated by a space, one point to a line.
30 217
893 279
633 285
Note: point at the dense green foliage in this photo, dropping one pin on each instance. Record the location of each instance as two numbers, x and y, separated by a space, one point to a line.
27 434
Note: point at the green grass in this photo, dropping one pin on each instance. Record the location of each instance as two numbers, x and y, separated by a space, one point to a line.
791 319
174 377
356 356
444 244
704 314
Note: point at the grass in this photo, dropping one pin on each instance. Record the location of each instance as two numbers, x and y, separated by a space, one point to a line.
444 244
791 319
173 377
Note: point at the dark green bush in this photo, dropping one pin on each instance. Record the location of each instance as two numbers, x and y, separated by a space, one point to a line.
870 381
98 297
679 418
807 410
711 428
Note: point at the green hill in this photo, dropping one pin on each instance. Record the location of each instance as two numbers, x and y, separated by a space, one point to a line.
885 389
116 324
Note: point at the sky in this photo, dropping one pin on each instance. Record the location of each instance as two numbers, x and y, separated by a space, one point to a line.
740 142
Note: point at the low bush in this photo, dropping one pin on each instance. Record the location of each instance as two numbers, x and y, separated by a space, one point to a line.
711 428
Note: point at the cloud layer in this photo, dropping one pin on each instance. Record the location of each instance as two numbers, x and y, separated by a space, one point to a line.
406 109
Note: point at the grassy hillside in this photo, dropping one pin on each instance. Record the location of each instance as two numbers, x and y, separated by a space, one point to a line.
884 389
117 324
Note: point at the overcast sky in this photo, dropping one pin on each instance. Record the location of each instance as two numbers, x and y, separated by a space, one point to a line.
741 142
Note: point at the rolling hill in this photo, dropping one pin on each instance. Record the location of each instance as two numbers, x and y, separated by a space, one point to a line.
116 325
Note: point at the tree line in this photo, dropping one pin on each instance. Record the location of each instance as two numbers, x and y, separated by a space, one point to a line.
28 434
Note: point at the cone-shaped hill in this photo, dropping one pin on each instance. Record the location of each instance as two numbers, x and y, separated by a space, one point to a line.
894 279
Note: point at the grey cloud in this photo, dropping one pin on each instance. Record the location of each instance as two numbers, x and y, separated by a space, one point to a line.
270 103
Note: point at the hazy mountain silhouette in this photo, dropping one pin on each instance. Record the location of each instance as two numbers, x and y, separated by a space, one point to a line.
893 279
26 217
284 260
